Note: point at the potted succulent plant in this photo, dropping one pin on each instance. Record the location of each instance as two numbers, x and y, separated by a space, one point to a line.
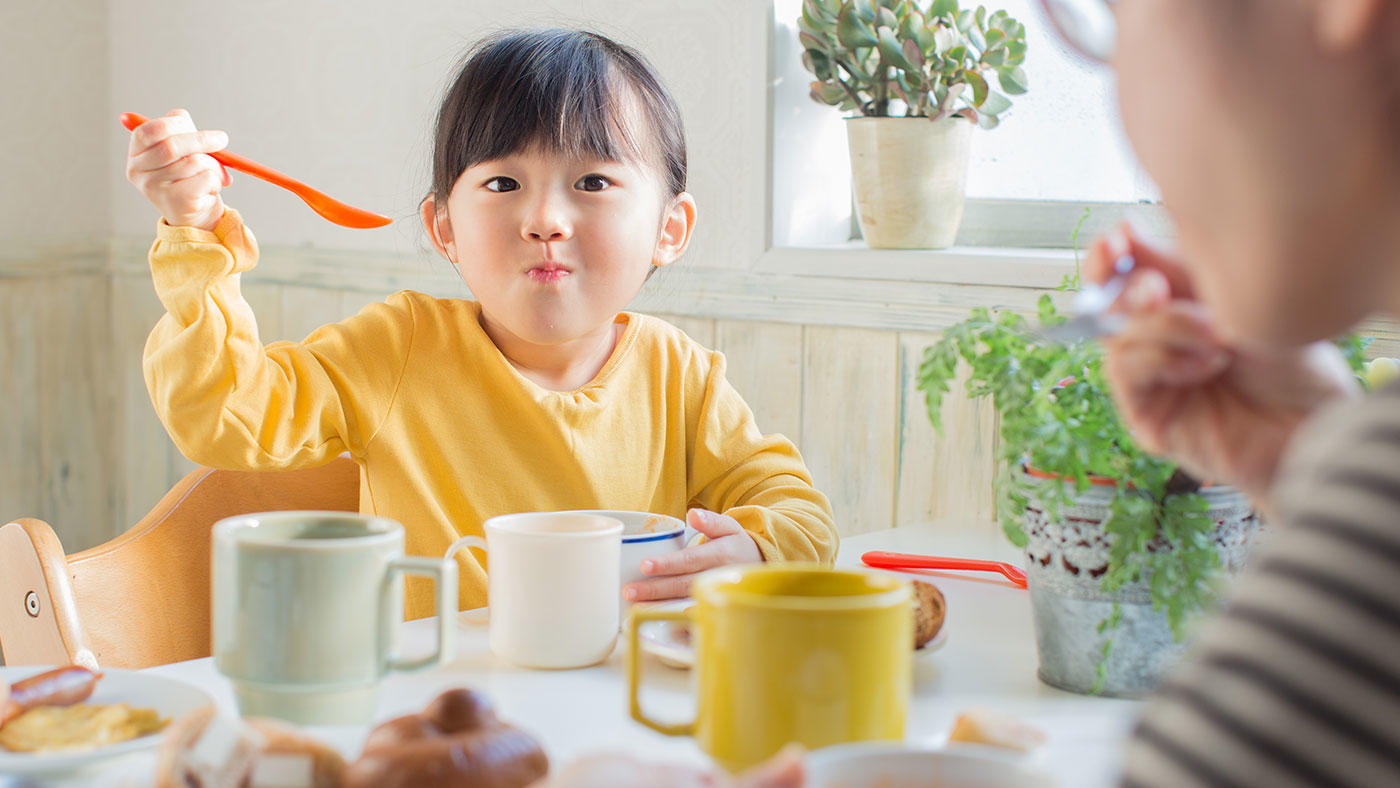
919 77
1123 548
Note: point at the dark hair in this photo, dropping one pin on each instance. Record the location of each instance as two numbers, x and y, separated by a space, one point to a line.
564 89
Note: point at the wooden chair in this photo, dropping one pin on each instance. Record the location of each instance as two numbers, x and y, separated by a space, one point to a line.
143 598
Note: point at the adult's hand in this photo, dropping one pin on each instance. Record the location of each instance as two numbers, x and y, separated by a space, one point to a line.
1224 412
784 770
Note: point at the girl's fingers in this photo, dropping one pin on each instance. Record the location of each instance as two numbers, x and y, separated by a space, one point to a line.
176 147
672 587
692 559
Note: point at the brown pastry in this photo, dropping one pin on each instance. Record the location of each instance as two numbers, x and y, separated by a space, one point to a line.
205 750
456 742
928 612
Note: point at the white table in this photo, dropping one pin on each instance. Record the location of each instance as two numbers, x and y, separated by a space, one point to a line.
989 660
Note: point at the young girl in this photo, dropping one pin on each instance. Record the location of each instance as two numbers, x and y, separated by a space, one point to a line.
558 187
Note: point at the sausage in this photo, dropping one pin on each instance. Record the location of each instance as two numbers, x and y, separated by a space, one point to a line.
58 687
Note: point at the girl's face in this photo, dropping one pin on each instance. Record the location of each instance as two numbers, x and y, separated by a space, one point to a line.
554 247
1263 143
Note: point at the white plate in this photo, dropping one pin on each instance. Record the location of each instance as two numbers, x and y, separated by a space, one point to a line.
895 765
170 699
669 641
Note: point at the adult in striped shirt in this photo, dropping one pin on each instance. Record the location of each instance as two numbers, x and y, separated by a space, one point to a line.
1272 128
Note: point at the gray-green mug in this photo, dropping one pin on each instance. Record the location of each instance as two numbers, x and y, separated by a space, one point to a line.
307 607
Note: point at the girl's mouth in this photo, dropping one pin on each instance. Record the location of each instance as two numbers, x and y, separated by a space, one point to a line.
549 272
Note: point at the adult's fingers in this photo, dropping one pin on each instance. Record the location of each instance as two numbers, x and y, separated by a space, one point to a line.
1104 253
1175 346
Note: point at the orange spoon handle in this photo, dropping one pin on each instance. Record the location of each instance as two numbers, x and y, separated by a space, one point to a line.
335 211
883 560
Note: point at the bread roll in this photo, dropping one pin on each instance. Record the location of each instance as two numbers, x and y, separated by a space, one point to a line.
456 741
928 612
206 750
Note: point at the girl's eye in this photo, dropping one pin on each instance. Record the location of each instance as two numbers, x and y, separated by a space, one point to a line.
593 183
501 183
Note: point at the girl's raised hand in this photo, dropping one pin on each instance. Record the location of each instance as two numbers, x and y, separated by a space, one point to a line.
726 543
1225 413
168 162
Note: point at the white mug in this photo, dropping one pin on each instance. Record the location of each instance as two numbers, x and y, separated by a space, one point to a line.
645 535
552 586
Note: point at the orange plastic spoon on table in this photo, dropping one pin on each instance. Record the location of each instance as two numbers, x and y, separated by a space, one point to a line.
882 560
333 210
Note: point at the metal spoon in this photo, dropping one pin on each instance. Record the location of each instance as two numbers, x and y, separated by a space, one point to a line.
1091 303
333 210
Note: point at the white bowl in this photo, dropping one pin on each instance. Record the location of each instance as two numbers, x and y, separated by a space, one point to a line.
644 535
895 765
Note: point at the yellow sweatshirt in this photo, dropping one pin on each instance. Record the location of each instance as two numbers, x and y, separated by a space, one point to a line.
445 431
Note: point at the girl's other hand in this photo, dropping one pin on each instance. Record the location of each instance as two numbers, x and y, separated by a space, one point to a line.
168 162
726 542
1225 413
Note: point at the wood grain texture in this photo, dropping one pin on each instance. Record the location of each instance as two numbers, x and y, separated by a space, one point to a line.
764 364
22 473
849 423
946 476
77 449
142 471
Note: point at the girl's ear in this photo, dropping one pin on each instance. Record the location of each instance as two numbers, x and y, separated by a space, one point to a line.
439 228
676 226
1345 25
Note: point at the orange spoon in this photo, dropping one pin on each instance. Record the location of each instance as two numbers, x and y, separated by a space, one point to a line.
335 211
881 560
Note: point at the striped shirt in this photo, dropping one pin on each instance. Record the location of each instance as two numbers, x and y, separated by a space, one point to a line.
1298 681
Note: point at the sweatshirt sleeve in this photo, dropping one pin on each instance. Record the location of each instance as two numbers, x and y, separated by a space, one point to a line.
227 400
759 480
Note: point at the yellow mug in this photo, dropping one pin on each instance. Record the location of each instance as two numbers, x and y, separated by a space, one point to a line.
790 653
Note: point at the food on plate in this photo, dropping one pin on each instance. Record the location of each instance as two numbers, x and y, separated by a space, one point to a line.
929 611
45 713
984 726
456 741
81 726
204 749
58 687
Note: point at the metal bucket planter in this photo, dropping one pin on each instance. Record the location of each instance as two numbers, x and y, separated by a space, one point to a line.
1066 560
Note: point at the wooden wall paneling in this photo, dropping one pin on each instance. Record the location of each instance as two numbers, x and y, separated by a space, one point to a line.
948 475
77 447
700 329
21 470
266 300
304 309
141 474
764 363
850 422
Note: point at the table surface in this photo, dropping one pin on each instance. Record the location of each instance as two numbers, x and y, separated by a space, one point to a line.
988 661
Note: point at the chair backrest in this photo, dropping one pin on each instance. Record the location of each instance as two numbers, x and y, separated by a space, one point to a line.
143 598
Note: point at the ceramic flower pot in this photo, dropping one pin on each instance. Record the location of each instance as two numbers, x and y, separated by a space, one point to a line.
909 176
1067 558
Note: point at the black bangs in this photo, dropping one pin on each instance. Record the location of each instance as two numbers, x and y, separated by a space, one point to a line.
569 91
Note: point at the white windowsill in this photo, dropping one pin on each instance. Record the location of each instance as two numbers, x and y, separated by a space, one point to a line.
980 266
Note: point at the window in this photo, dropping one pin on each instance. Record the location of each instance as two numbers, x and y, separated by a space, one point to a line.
1059 150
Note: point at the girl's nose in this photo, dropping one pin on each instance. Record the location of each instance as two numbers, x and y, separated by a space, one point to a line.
547 221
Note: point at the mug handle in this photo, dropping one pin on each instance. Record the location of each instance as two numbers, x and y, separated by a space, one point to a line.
444 574
634 668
